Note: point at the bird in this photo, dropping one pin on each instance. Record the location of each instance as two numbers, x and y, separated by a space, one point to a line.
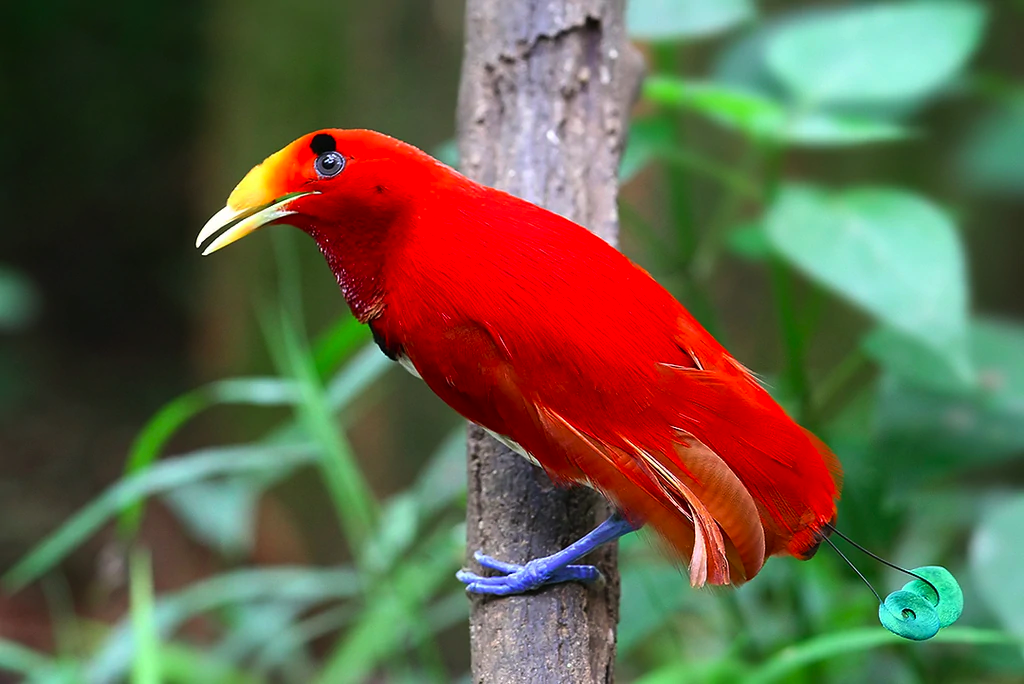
539 331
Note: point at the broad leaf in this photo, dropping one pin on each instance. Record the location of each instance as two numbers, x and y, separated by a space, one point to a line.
997 557
742 62
890 51
823 129
761 117
953 425
890 252
674 19
912 360
992 158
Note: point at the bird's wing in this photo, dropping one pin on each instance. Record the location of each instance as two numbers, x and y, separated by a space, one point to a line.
660 476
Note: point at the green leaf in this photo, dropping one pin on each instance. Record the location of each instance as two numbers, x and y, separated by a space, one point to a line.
391 618
891 51
160 477
892 253
173 415
302 586
146 663
338 343
22 660
996 559
727 668
749 241
761 117
821 129
657 20
907 357
956 426
654 139
749 112
221 514
825 646
363 370
992 159
353 499
647 138
183 664
742 62
396 530
19 300
444 478
255 624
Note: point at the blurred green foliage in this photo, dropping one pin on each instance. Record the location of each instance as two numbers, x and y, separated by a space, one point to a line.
922 399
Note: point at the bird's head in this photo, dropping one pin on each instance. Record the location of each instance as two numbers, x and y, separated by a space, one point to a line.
322 183
355 192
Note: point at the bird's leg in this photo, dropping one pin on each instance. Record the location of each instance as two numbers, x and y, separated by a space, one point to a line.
552 569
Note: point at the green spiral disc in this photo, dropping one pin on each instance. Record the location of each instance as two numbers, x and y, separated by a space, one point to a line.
909 615
950 600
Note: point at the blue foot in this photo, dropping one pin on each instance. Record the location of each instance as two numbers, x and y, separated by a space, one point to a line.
517 579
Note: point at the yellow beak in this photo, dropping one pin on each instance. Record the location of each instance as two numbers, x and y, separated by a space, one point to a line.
240 222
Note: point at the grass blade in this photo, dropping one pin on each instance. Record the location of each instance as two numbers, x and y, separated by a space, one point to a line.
172 417
364 369
146 663
187 665
826 646
159 477
17 658
307 586
337 343
351 495
393 615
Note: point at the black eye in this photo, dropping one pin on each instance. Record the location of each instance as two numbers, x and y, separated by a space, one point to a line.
329 164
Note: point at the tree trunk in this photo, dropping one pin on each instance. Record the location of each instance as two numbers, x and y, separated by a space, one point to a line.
545 96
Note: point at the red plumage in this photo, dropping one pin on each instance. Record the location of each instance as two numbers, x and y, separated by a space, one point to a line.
529 325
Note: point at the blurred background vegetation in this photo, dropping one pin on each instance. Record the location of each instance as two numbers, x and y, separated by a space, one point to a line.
833 188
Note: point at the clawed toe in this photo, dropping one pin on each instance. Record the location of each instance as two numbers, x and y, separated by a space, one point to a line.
495 564
518 579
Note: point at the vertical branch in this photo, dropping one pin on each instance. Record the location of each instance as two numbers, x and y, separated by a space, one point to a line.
545 96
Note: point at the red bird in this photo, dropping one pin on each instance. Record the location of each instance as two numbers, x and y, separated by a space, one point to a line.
531 326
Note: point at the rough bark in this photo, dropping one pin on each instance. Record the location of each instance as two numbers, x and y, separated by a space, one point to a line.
545 96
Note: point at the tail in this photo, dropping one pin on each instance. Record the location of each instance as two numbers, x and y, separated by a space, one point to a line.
725 479
792 476
728 479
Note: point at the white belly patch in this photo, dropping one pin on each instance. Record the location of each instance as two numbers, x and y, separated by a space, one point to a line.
406 363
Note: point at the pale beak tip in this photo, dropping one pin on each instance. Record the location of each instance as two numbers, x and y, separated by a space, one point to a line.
241 222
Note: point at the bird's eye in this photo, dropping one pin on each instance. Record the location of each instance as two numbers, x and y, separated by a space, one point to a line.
329 164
